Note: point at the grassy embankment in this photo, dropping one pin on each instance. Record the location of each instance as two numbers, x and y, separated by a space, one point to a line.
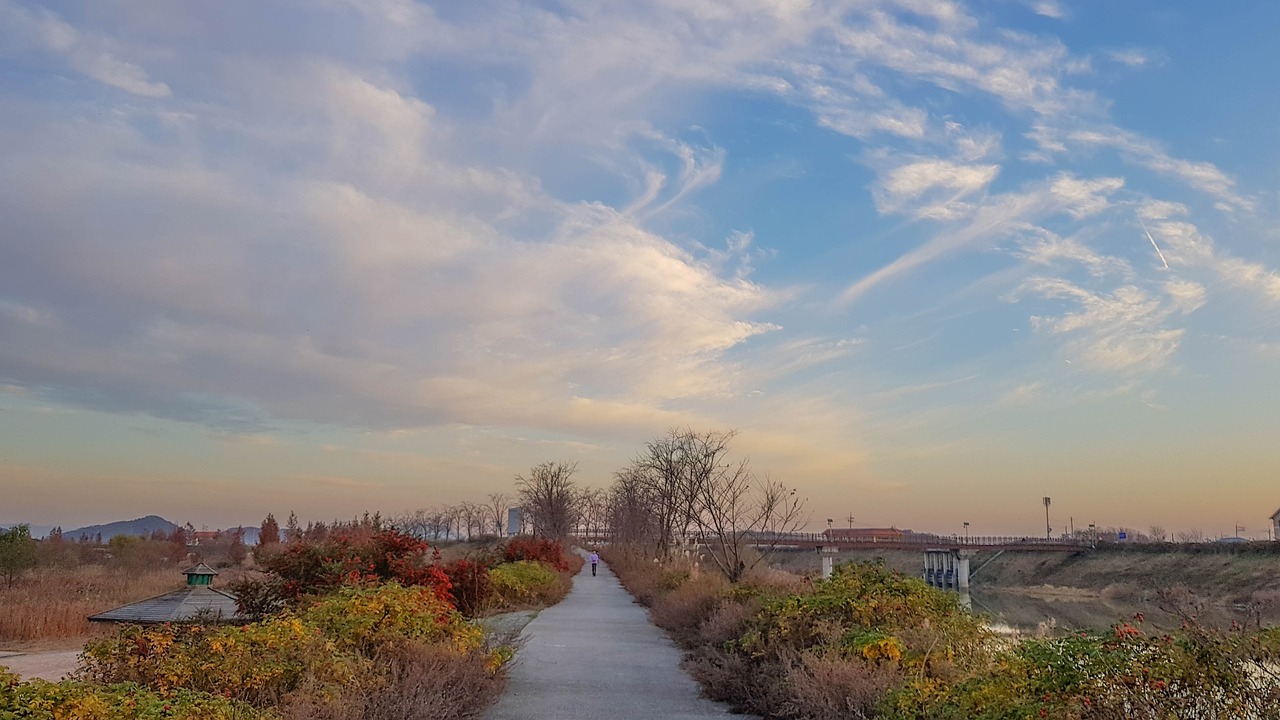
872 643
1224 576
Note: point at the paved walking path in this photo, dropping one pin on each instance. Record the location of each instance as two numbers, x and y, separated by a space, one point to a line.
596 656
51 665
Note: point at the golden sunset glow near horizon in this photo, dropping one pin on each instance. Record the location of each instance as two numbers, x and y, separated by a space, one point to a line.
933 261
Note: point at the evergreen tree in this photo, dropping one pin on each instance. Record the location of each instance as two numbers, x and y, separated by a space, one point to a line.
269 532
17 552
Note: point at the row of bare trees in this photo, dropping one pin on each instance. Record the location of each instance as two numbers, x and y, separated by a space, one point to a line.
462 521
685 487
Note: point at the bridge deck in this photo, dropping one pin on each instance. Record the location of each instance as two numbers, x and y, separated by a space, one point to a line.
916 541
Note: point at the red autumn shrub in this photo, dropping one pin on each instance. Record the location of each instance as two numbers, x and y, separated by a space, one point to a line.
471 587
538 549
303 567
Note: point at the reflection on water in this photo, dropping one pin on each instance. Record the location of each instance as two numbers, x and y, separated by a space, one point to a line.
1048 612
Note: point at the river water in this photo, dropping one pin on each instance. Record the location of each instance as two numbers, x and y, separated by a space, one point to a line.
1053 612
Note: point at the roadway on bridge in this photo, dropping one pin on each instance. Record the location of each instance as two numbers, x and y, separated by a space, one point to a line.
596 656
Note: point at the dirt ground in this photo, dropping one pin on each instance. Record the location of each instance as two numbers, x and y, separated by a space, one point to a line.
49 665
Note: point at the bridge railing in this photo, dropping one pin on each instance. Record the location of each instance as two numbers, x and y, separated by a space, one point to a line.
911 540
915 540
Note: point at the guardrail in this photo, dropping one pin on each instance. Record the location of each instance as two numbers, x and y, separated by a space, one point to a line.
917 539
912 540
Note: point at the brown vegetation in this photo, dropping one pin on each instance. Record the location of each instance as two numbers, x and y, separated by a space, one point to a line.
426 682
54 602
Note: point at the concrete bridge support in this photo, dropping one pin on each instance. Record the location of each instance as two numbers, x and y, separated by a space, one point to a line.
947 569
828 553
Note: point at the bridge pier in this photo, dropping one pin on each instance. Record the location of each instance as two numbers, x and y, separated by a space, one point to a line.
828 553
947 569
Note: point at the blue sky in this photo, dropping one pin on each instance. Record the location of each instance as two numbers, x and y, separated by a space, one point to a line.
932 260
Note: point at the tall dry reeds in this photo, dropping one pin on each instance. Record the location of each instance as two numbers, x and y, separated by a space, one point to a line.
54 603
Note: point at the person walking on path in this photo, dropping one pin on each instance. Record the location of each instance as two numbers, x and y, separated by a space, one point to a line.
596 656
595 560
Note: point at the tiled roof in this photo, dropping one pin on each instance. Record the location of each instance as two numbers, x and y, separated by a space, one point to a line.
200 569
192 603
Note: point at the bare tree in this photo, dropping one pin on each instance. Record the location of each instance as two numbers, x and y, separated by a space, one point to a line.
1190 536
744 520
674 472
630 509
497 507
550 498
1157 533
684 486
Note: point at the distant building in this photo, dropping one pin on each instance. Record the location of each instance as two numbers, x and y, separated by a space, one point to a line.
202 536
865 534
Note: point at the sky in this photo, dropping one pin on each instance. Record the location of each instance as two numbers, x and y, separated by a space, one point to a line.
932 260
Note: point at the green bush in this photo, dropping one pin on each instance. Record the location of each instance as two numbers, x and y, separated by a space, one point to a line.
256 663
365 619
524 582
323 648
40 700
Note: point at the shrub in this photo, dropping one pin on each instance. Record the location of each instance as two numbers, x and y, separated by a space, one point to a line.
547 551
421 681
471 588
306 567
324 647
683 611
40 700
831 687
525 582
256 663
368 619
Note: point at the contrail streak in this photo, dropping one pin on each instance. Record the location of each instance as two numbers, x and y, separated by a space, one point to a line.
1153 243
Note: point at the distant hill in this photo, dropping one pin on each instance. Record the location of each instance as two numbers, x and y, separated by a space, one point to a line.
250 535
142 526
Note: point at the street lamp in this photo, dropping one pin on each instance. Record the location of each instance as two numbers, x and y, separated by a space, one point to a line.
966 531
1048 529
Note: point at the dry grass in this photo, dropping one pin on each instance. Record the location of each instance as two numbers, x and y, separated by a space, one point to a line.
682 611
424 682
52 604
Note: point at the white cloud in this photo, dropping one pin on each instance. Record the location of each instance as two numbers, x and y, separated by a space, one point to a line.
1085 197
1048 249
1118 331
909 182
1048 8
86 54
1186 296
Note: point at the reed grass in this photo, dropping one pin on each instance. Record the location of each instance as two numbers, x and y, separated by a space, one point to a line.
55 603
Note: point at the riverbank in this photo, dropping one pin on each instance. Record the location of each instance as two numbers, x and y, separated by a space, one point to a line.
1092 590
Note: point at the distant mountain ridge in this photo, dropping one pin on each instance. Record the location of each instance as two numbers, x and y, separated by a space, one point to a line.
142 526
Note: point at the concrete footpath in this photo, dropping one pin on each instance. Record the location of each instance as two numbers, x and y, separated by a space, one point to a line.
51 665
596 656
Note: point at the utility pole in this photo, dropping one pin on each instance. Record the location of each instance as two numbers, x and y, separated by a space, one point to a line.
1048 529
850 521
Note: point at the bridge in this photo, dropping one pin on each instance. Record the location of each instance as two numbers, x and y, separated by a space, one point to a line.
910 541
946 557
917 541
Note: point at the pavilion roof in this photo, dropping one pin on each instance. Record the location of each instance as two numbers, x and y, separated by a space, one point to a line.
198 603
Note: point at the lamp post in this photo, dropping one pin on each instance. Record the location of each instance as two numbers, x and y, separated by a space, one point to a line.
1093 535
1048 529
966 531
